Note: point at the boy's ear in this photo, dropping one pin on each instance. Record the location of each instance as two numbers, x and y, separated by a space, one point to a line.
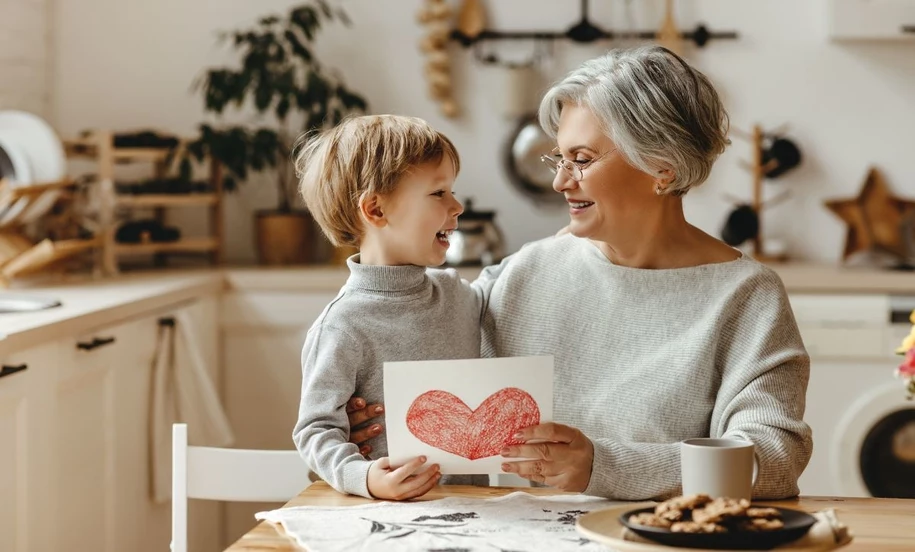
371 210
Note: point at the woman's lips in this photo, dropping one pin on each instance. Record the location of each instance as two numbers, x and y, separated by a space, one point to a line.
577 207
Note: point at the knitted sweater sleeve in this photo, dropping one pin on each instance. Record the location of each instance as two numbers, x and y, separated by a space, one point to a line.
330 361
761 398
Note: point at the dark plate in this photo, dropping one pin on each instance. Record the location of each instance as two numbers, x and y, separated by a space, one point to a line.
797 524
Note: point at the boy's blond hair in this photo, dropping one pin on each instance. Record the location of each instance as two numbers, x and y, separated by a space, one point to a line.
362 156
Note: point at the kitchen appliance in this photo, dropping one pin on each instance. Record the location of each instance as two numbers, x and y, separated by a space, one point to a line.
526 172
863 426
477 239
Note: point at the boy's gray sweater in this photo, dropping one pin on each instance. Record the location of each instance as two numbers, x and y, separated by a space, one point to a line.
382 314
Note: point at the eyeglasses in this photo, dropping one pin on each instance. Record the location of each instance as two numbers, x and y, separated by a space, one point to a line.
554 162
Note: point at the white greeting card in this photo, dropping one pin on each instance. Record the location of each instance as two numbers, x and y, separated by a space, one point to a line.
461 413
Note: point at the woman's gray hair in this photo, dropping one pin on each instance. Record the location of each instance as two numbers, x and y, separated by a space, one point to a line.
660 112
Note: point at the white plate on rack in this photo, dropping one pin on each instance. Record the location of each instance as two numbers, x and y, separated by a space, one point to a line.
44 153
14 168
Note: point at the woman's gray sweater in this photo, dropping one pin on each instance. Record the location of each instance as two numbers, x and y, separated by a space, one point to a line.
647 358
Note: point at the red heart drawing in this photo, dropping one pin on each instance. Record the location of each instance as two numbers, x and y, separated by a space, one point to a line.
444 421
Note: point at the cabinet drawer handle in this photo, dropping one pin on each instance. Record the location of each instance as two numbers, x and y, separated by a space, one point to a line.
95 343
10 370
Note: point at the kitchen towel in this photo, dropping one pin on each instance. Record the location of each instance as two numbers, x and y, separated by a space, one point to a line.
518 521
181 392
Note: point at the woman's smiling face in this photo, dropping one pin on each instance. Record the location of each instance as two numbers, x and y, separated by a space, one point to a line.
612 193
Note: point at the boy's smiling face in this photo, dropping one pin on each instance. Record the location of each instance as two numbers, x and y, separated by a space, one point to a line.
411 226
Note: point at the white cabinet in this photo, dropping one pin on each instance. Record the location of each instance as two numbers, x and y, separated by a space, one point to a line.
86 439
74 427
871 19
263 334
26 382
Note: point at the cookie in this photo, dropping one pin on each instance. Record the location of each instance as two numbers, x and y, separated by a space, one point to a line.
721 509
695 527
675 508
649 520
760 524
766 513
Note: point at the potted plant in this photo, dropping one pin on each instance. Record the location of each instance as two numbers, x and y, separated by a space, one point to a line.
291 93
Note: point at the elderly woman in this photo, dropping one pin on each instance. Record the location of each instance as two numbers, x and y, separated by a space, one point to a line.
659 332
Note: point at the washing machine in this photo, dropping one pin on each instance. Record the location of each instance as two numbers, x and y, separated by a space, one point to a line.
863 425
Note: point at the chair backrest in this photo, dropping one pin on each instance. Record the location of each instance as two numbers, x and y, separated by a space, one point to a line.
229 474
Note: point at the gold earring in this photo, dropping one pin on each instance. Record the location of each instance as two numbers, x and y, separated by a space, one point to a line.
658 189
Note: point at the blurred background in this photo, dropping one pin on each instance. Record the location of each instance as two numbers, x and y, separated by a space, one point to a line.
835 78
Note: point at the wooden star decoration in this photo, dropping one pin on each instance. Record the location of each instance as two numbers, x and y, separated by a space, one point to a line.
874 218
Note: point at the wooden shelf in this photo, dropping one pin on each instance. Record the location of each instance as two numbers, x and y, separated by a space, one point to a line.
141 154
167 200
188 245
98 146
88 150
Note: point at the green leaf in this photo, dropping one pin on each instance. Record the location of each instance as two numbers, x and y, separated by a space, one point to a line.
282 108
325 9
351 100
298 48
302 99
263 94
306 19
317 88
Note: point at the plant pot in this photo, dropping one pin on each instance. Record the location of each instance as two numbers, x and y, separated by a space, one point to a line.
284 237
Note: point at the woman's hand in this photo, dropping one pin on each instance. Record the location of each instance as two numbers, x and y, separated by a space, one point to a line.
360 432
401 483
563 463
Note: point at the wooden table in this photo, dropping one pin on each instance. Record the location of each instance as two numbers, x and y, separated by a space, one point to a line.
878 524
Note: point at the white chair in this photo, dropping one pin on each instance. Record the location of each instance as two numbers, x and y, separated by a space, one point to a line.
229 474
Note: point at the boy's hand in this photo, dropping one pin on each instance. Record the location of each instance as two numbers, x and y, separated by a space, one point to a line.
404 482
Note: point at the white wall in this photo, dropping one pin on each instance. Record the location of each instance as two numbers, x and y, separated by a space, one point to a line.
24 55
129 63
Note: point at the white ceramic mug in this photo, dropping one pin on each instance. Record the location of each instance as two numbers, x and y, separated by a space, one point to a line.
718 467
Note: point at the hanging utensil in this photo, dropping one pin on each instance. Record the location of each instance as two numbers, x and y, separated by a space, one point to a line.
668 35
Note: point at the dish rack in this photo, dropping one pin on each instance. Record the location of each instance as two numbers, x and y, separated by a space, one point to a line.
99 146
19 255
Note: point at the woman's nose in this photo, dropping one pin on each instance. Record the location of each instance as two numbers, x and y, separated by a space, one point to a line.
563 181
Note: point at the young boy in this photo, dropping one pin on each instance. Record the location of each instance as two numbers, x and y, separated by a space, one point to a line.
384 184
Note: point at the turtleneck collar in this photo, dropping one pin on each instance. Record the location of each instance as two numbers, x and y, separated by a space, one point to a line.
384 279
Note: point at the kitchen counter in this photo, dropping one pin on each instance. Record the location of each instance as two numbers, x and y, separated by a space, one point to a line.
89 303
798 278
